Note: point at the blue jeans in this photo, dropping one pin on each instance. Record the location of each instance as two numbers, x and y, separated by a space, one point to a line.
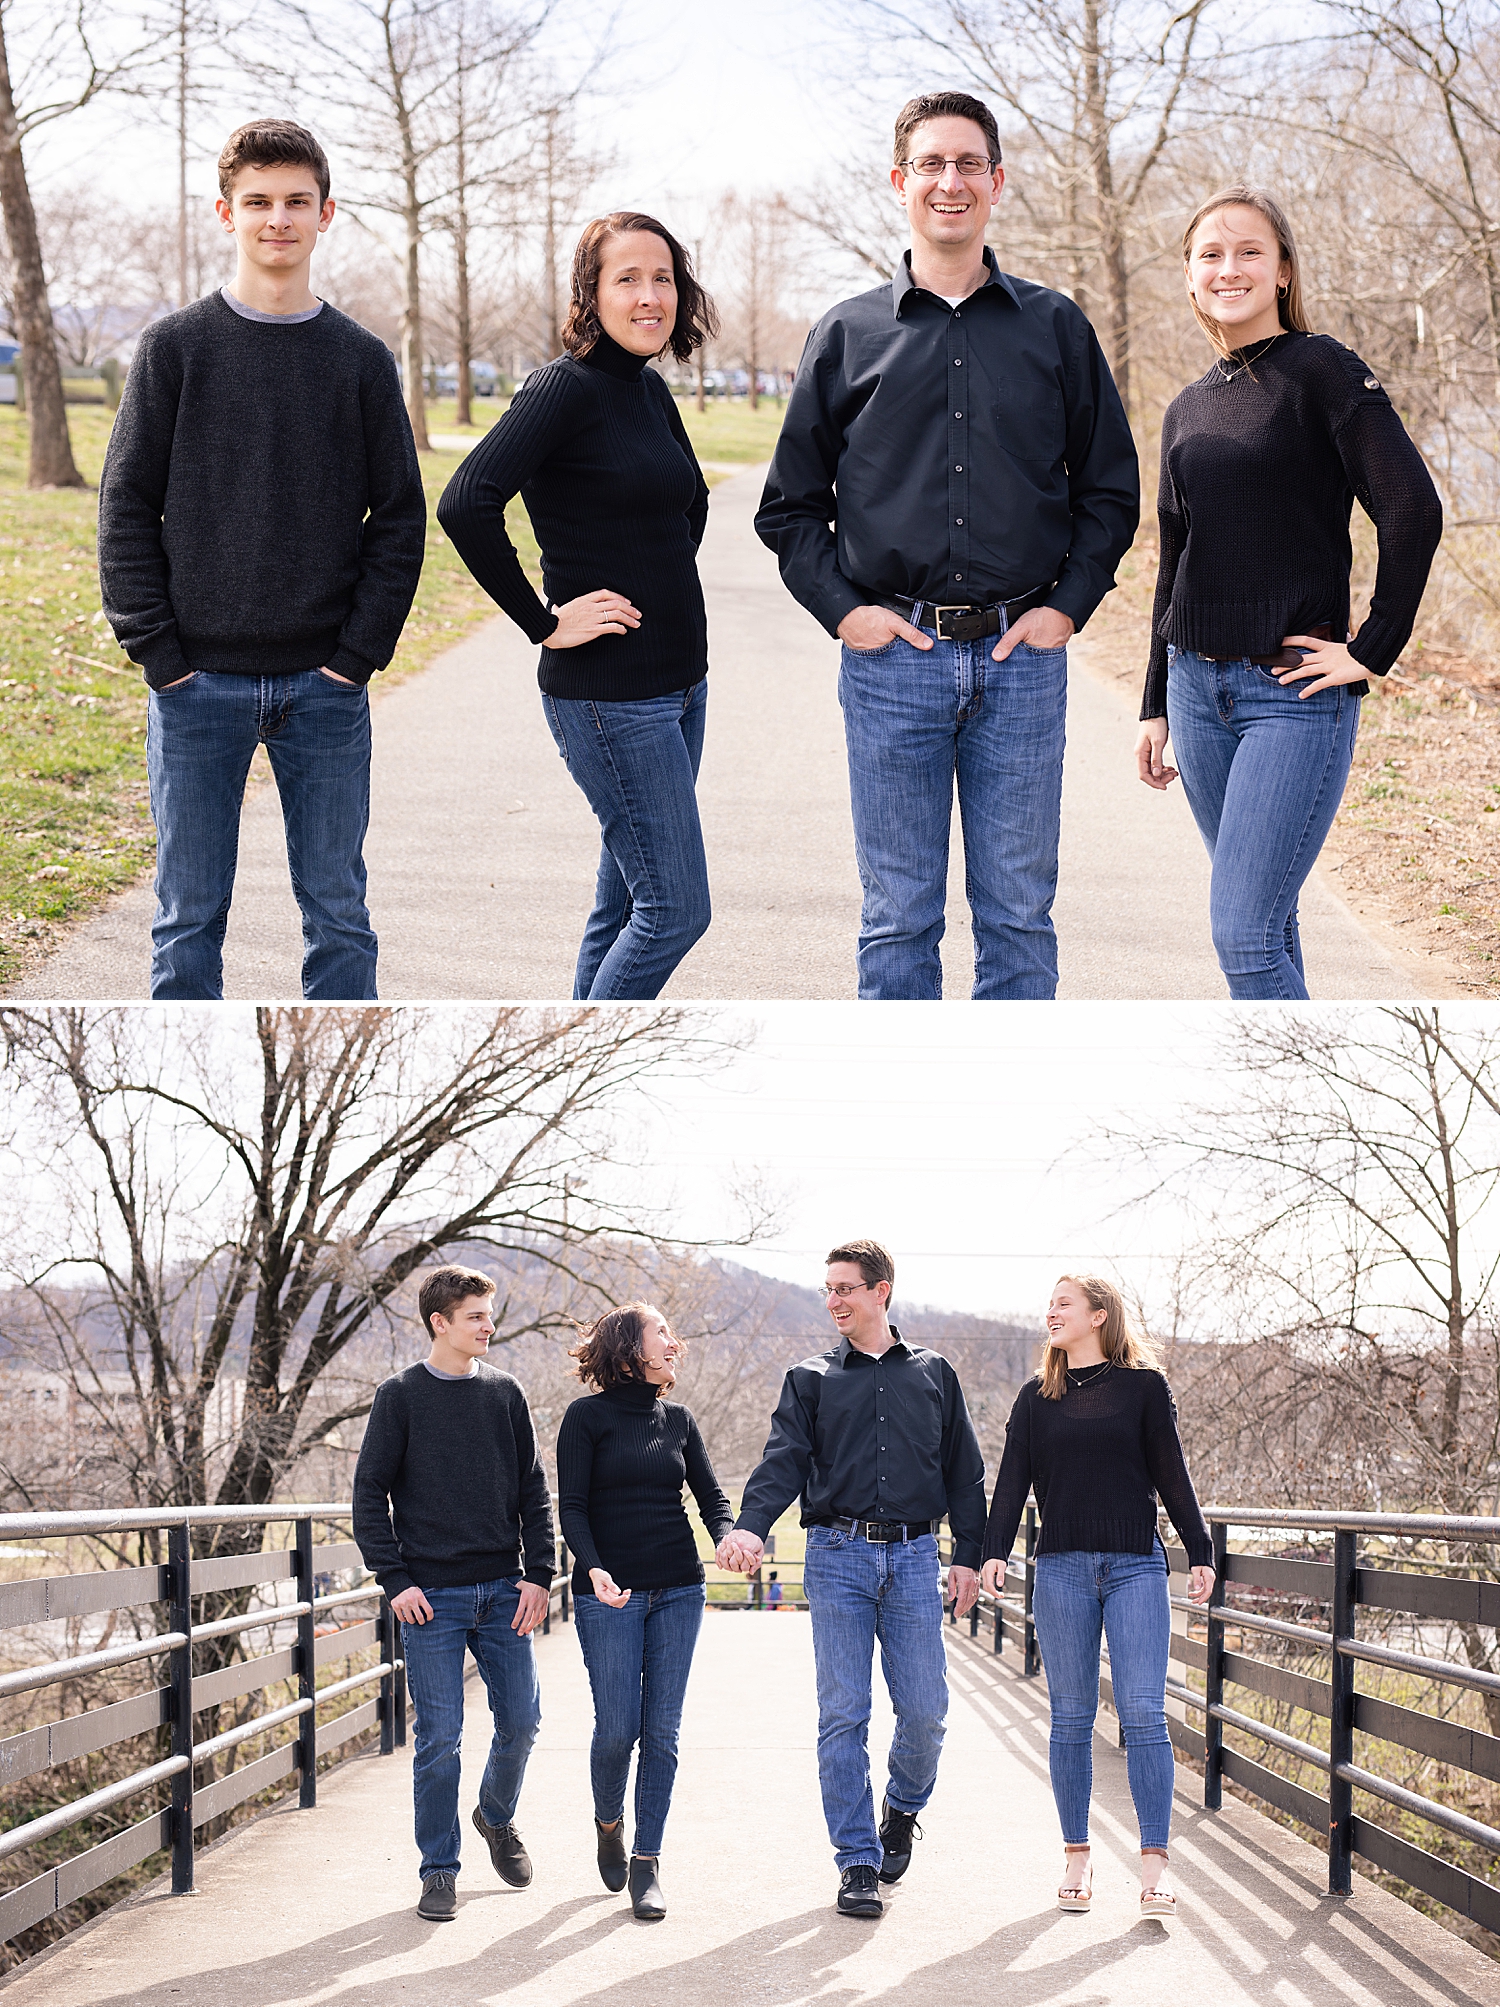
638 765
913 719
200 737
639 1659
1076 1595
477 1616
861 1591
1264 771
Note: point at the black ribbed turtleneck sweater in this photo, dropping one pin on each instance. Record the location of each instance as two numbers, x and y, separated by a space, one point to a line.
623 1457
1261 461
1098 1460
597 451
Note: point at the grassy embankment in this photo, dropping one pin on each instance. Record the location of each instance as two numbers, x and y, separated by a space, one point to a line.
74 819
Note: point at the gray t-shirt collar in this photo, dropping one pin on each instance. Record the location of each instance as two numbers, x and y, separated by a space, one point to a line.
279 321
437 1371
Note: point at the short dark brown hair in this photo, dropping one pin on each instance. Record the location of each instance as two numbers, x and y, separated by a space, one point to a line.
272 142
697 317
609 1349
873 1260
944 104
443 1287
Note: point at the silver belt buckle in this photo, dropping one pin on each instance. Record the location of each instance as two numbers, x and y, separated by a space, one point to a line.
939 611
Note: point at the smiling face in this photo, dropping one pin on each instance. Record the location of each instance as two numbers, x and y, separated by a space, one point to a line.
859 1312
275 216
1074 1326
637 292
465 1332
948 211
659 1351
1234 267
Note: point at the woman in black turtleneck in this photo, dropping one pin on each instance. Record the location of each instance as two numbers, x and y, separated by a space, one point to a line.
1253 668
594 446
623 1456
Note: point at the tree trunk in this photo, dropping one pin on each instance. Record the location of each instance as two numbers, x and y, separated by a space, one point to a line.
413 348
554 326
465 319
183 295
701 398
52 464
1107 208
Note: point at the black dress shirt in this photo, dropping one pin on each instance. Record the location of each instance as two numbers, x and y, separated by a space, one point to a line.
962 455
866 1438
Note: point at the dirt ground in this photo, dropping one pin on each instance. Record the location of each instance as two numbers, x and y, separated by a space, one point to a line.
1416 845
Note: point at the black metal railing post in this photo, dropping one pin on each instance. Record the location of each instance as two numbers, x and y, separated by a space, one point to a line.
180 1684
1341 1720
388 1702
1032 1659
1213 1679
307 1669
567 1583
398 1685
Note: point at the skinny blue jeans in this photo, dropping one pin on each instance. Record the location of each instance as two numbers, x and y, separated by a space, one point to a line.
862 1592
1077 1595
639 1659
1264 771
637 763
915 720
200 737
477 1616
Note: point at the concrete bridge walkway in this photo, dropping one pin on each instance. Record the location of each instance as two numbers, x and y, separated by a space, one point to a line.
304 1908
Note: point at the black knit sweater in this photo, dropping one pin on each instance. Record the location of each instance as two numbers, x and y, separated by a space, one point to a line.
597 451
261 508
1098 1460
623 1457
1261 461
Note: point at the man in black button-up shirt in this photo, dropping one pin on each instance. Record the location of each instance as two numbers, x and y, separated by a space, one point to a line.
876 1437
954 441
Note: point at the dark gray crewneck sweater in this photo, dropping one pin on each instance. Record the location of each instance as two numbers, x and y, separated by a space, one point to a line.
261 507
455 1462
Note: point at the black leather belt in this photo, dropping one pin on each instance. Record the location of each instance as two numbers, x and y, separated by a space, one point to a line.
882 1530
1284 658
965 623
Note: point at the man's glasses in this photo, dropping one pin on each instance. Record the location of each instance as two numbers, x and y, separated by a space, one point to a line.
842 1288
972 166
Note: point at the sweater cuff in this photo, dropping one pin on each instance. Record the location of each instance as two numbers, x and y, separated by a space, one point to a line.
1367 639
353 668
395 1582
541 1573
163 663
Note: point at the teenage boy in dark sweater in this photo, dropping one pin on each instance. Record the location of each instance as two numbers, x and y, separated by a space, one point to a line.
449 1450
261 528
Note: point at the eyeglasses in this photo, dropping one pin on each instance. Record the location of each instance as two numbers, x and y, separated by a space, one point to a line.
972 166
842 1288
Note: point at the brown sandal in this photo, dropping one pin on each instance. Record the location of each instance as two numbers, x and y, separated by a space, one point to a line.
1077 1896
1157 1901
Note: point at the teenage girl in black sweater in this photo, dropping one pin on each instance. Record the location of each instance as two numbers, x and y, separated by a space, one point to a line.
623 1456
595 447
1261 461
1094 1435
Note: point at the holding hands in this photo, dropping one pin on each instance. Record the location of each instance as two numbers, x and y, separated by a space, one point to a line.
743 1552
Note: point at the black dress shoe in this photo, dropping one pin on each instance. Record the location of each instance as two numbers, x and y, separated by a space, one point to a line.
896 1831
611 1855
439 1902
646 1898
859 1893
512 1862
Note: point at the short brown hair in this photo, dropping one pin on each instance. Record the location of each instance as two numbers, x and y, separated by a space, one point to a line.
1289 306
944 104
443 1287
609 1349
272 142
874 1261
697 317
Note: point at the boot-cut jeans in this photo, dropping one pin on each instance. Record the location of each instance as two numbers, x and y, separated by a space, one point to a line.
1264 771
477 1617
914 720
639 1659
1125 1595
638 765
862 1592
200 737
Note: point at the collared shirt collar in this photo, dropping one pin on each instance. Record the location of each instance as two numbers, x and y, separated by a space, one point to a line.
903 285
846 1351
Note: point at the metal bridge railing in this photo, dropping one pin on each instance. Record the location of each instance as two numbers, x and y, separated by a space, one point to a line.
182 1693
1345 1583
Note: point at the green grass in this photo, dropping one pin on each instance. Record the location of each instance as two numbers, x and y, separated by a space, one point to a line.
727 429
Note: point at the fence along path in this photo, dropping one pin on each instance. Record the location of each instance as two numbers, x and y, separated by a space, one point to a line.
312 1906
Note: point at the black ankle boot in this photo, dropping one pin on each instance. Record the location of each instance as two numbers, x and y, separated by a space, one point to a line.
646 1898
611 1855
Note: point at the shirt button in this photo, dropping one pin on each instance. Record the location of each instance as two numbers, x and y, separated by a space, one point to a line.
958 362
958 519
957 575
959 468
958 414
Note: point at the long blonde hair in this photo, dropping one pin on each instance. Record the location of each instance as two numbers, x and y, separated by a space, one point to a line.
1241 195
1121 1343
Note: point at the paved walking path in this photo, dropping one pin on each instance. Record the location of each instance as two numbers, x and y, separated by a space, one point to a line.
314 1907
482 852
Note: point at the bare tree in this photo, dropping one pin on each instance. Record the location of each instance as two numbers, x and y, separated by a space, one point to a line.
751 266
